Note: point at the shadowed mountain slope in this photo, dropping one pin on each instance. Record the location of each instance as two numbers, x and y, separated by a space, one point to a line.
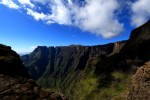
63 68
91 72
60 61
137 49
14 80
10 62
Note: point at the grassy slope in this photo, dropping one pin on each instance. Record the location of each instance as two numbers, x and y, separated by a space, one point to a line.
97 82
86 87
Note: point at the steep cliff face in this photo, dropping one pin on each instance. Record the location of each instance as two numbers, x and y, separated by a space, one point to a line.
14 80
64 68
91 72
118 46
136 51
37 61
59 61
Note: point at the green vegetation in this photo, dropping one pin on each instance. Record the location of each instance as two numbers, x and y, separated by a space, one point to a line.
85 86
8 58
88 88
98 82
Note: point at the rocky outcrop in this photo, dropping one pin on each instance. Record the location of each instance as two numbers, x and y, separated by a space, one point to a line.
10 62
18 88
14 80
136 50
140 87
118 46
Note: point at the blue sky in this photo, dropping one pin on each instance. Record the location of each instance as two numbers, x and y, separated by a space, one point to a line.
25 24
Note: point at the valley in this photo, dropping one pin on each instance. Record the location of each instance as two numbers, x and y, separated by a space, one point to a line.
90 72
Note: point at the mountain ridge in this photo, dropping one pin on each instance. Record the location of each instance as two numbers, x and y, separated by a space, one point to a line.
90 50
89 72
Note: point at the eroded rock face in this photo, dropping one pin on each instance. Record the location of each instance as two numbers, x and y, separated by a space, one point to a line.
118 46
136 50
129 55
60 64
140 87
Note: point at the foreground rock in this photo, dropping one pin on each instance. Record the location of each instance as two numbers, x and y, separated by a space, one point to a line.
140 87
14 80
18 88
10 63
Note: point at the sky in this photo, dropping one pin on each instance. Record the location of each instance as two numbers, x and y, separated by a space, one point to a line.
26 24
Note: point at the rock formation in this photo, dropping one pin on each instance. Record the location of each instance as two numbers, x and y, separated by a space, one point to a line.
60 61
140 87
14 80
10 62
136 50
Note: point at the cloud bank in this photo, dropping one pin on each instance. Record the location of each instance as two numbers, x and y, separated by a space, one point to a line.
10 4
99 17
141 12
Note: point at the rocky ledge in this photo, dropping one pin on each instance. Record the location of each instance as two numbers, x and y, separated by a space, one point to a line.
140 87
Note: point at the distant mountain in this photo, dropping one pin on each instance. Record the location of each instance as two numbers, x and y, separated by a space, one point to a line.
100 72
62 67
59 61
14 80
23 53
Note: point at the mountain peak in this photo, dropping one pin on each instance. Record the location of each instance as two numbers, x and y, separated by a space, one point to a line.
141 33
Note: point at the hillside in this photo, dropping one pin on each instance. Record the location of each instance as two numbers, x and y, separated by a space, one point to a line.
91 72
71 69
15 82
10 62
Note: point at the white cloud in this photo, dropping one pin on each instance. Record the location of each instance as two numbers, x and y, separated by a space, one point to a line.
9 3
60 13
26 2
32 48
96 16
37 16
141 12
40 1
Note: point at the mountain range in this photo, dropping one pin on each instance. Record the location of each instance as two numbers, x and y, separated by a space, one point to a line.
114 71
100 72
